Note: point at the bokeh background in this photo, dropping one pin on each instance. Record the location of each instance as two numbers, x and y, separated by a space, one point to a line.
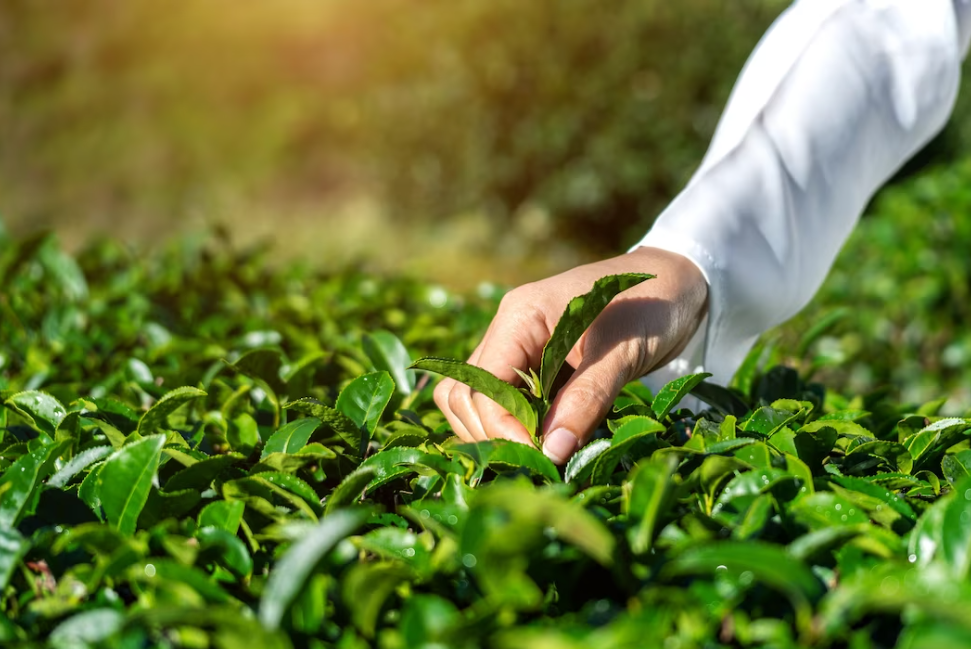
456 140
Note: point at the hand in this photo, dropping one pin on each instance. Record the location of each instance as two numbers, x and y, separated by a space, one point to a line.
644 328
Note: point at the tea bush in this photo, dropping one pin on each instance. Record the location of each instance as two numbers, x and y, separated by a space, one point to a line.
197 451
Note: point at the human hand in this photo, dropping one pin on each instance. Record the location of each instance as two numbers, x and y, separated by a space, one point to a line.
643 328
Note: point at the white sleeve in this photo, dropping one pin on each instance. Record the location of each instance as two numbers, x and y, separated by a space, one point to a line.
836 97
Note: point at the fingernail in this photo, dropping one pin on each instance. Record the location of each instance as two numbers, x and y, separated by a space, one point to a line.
560 444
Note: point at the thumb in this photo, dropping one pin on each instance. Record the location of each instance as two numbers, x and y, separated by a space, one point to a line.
583 403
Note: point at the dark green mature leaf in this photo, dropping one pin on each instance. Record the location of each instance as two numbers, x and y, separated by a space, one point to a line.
19 483
350 489
388 353
507 396
635 439
365 398
299 562
13 548
504 454
824 509
225 548
887 456
674 392
579 314
353 435
157 416
291 437
201 474
125 481
42 409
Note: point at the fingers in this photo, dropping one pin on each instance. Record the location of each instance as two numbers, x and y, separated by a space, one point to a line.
584 402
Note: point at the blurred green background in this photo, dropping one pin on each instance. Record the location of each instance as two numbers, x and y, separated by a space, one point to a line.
456 140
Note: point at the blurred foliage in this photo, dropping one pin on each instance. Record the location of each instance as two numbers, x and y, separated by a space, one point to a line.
582 118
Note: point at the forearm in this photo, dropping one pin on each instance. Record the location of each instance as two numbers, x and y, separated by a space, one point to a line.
837 96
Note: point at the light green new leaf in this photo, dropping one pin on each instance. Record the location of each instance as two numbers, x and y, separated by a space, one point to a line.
480 380
125 480
388 353
365 398
672 393
291 437
224 514
648 494
580 466
577 318
158 414
291 572
44 410
504 453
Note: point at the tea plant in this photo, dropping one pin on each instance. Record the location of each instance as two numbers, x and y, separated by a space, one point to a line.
196 452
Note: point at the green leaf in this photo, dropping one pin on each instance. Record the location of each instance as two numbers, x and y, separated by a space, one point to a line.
579 314
125 481
294 485
648 495
19 484
350 488
352 435
78 463
504 453
157 416
13 548
507 396
388 353
224 514
291 572
955 544
635 439
243 434
291 437
223 547
42 409
365 398
88 628
956 466
825 509
580 466
879 455
366 587
674 392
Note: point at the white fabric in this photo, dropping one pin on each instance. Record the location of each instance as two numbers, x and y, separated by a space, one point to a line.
835 98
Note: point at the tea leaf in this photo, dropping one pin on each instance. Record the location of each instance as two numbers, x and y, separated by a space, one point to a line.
125 480
579 314
507 396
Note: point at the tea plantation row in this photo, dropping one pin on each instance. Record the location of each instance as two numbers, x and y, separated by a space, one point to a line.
200 452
